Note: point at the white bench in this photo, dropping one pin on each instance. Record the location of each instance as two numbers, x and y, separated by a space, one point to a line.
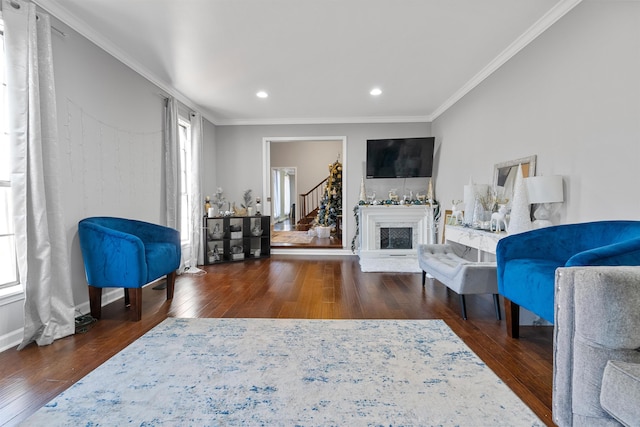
458 274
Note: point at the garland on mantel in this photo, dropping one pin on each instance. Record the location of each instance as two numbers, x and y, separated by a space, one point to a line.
434 204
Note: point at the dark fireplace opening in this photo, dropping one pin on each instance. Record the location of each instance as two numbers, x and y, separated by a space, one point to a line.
396 238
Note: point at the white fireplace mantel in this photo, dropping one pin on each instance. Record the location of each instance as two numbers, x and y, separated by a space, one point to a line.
372 218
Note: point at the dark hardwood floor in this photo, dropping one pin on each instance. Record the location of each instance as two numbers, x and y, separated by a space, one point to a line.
282 287
332 242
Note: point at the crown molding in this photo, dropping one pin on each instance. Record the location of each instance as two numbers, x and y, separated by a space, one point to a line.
539 27
56 9
323 120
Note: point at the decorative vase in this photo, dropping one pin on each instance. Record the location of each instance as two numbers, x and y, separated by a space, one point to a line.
469 202
520 209
249 211
363 193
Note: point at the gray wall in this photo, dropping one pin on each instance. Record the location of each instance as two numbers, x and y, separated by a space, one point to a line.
244 143
572 97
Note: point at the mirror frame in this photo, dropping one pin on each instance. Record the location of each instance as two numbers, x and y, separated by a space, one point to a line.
528 169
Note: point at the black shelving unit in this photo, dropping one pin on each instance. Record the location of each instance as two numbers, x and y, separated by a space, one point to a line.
236 238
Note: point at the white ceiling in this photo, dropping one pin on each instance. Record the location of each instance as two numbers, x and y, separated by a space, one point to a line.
317 59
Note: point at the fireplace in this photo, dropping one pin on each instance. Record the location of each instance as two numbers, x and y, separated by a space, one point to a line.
394 230
396 238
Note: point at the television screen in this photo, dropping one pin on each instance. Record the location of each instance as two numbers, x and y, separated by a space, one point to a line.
400 157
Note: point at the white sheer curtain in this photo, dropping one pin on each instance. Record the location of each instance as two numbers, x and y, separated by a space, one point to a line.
173 181
172 164
172 168
43 259
197 201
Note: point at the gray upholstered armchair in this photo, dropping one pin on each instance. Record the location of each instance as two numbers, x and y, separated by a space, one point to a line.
596 366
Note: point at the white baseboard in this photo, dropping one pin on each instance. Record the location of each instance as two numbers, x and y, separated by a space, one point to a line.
14 338
303 252
11 339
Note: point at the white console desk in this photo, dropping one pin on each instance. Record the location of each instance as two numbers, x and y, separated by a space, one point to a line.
483 241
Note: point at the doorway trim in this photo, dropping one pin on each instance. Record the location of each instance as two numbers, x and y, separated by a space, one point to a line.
266 169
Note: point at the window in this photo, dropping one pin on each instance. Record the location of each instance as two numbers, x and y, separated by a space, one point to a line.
185 181
287 193
9 280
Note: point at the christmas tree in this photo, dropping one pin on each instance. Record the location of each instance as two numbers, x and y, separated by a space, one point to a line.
331 203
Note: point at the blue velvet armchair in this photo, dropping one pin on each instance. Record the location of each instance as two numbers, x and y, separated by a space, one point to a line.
125 253
527 262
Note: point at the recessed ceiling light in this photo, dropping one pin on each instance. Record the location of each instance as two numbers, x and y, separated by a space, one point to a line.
376 91
262 94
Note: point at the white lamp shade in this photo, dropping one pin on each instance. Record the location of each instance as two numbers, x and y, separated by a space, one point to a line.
545 189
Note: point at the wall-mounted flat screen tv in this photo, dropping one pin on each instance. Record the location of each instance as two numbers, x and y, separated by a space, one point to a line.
400 157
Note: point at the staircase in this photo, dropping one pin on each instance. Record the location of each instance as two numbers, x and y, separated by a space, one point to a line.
309 205
306 222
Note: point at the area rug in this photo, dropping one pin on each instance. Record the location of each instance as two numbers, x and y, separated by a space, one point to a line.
290 372
390 264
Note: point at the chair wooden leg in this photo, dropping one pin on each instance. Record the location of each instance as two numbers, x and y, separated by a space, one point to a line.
95 301
463 307
424 277
512 317
127 300
171 281
136 303
496 303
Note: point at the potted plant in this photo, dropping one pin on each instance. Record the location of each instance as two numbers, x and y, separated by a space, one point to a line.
247 202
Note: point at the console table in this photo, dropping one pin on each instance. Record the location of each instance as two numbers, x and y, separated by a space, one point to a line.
482 240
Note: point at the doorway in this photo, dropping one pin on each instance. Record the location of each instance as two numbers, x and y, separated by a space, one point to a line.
310 157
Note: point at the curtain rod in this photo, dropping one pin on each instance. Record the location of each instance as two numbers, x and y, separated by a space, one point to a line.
16 5
192 112
59 32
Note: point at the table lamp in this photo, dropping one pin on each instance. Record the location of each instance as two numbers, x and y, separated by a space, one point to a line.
544 191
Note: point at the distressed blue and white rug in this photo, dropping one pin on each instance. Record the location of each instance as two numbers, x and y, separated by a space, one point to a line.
254 372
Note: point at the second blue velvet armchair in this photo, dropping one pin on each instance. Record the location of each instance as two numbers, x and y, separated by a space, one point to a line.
527 262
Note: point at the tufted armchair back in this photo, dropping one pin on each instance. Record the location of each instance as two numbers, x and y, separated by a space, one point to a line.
597 322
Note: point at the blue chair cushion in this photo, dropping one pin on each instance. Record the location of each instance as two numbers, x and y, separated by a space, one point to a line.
537 294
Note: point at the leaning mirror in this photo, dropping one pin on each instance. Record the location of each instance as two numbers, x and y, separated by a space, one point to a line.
504 176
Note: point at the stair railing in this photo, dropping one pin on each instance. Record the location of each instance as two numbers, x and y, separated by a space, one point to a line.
310 200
